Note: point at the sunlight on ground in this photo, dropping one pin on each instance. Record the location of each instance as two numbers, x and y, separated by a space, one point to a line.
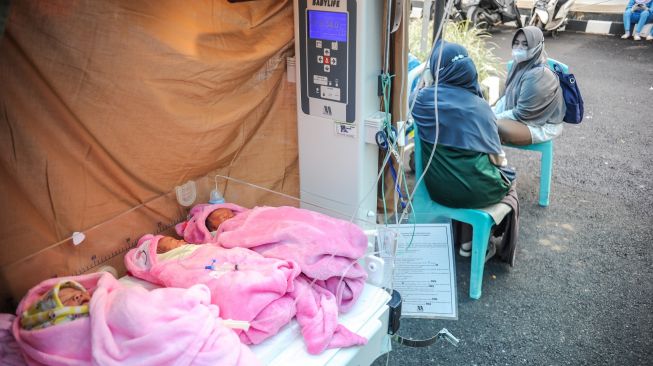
554 243
568 227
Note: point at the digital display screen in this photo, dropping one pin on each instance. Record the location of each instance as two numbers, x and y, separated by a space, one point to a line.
327 25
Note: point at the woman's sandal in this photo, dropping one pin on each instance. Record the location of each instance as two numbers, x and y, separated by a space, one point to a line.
466 248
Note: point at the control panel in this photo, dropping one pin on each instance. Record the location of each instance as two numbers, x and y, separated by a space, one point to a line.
338 58
327 68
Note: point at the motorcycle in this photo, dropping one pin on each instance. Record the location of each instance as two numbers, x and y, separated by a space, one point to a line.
485 14
457 11
550 15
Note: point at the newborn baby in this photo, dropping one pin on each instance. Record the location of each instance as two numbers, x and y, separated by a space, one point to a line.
65 302
246 286
123 325
325 248
168 243
217 217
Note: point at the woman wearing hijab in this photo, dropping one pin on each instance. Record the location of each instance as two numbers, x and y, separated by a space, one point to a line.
532 109
463 172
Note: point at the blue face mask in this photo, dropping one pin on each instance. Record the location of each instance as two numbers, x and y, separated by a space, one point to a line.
519 55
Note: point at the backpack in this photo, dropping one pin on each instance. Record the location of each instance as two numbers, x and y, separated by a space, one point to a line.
571 95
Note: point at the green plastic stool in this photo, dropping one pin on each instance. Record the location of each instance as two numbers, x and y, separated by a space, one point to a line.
426 211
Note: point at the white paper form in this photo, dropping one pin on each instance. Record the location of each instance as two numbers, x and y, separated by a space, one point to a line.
425 272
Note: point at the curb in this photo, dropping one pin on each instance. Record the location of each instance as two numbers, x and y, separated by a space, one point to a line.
597 23
595 27
592 22
601 27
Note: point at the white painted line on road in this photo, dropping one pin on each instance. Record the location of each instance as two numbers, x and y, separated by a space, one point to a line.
598 27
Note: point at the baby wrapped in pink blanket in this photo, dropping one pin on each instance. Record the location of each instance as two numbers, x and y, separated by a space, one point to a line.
133 326
267 292
326 248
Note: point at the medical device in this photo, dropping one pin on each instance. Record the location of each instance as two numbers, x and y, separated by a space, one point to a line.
338 55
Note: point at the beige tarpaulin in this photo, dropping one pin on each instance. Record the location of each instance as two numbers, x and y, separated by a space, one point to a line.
105 105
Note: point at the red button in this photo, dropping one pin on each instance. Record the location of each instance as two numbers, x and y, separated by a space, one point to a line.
327 60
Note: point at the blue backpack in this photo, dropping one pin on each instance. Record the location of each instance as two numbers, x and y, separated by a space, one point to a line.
571 95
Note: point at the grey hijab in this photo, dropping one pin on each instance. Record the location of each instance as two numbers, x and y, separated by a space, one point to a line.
532 90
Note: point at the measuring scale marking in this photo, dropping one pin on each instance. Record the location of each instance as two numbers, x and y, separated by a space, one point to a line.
128 245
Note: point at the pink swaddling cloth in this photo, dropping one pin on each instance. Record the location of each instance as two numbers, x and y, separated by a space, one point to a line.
267 292
244 284
194 229
175 327
317 315
9 350
134 326
326 248
63 344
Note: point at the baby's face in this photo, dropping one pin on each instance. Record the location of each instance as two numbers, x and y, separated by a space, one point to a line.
73 297
168 243
217 217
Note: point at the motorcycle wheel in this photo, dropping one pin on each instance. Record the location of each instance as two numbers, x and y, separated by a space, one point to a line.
457 16
457 13
478 20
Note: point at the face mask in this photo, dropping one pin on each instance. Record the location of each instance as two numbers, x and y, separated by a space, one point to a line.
535 50
519 55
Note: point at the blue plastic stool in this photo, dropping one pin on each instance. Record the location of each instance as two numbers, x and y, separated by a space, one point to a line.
425 211
545 148
546 167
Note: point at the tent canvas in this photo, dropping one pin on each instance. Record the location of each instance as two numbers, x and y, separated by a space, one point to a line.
107 105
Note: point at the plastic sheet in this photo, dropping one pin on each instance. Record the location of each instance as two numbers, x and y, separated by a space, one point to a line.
105 106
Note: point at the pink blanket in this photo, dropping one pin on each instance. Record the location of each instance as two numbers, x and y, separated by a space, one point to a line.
267 292
326 249
194 230
10 354
257 290
134 326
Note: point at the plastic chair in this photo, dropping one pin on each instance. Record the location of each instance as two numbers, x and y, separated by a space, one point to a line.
546 167
425 211
545 149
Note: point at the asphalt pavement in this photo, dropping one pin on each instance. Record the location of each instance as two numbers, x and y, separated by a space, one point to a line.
581 292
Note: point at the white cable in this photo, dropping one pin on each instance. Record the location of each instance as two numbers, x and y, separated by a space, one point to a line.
390 147
401 131
445 14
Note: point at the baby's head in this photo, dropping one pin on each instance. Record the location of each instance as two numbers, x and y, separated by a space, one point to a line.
72 296
168 243
66 301
217 217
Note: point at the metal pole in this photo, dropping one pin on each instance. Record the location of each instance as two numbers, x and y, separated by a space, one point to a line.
426 18
437 18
